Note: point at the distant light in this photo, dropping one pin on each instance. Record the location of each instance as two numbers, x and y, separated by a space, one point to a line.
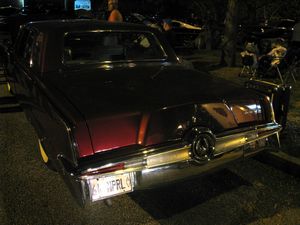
21 3
82 4
131 65
106 66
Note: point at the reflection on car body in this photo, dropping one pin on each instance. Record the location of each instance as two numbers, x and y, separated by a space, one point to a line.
180 24
187 35
115 111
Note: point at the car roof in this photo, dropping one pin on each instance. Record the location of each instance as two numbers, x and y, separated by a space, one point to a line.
55 30
84 24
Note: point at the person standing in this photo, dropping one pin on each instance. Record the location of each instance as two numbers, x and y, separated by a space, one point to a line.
169 32
114 14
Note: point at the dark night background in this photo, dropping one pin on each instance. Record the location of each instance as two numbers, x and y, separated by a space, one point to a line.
221 19
249 10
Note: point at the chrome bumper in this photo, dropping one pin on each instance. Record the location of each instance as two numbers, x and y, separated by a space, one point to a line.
157 166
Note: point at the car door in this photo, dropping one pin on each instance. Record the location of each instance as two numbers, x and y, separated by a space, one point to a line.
22 71
13 56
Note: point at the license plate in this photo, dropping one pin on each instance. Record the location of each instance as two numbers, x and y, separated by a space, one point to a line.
104 187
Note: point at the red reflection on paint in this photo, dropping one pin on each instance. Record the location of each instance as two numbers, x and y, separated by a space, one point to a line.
143 128
113 132
83 140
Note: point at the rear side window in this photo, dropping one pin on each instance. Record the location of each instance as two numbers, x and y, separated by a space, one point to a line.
107 46
21 40
24 46
36 60
28 48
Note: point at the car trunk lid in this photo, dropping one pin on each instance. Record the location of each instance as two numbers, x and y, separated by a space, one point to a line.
149 105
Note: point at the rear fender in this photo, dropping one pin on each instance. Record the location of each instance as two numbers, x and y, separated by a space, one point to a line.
279 95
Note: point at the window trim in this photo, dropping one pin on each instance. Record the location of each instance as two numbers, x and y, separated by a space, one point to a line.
164 59
20 58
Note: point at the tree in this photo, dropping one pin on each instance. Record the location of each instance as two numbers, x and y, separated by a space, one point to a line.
229 41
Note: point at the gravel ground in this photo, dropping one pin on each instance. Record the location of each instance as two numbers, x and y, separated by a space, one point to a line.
249 192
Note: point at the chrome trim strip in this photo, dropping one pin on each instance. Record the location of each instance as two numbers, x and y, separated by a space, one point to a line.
156 157
266 82
160 165
169 157
230 142
165 55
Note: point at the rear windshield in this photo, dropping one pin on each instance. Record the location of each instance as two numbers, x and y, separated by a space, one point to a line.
111 46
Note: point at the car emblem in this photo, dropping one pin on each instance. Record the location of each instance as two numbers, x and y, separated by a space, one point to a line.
203 146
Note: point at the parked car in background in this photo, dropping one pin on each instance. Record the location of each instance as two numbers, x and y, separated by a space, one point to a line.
141 19
115 111
263 34
186 34
5 13
180 24
29 14
284 24
8 10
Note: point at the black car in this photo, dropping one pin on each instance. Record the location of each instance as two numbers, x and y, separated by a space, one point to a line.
30 14
5 13
263 34
187 35
141 19
115 111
